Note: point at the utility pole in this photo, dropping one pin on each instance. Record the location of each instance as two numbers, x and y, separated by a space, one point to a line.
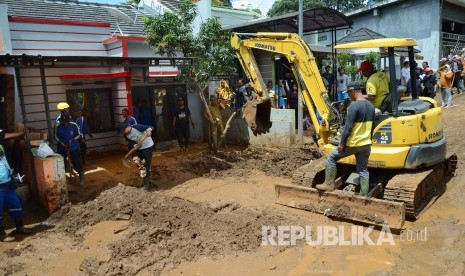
300 108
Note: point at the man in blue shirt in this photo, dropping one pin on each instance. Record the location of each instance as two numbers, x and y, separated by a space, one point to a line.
83 124
9 196
329 77
64 109
128 120
67 134
241 94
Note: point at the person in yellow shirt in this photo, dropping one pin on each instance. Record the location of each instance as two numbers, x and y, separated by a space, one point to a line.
355 140
224 94
377 86
446 76
215 109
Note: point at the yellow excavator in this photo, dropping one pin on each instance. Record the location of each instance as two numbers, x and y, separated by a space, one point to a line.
408 164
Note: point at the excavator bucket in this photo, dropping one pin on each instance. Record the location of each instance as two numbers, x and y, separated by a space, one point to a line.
257 115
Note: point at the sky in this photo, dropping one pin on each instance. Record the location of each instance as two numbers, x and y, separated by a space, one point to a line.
263 5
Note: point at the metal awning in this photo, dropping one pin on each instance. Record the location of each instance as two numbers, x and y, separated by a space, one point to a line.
365 38
318 19
96 76
22 61
320 48
380 46
379 43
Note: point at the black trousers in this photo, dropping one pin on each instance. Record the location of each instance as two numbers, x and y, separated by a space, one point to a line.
146 155
83 147
75 157
183 133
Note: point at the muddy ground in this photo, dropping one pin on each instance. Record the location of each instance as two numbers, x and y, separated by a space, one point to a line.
206 214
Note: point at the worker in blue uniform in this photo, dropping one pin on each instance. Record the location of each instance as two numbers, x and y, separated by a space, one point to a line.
67 134
9 197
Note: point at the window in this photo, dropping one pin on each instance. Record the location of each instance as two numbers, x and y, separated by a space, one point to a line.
99 103
322 38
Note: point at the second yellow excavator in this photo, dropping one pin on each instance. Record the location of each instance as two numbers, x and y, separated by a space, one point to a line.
408 164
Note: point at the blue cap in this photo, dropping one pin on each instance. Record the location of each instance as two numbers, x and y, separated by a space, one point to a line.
353 85
121 127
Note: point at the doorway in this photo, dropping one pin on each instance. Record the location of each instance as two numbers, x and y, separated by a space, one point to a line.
156 106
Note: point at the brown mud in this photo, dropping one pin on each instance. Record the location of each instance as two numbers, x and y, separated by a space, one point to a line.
205 218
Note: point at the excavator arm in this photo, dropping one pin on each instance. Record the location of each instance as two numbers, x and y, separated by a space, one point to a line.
304 67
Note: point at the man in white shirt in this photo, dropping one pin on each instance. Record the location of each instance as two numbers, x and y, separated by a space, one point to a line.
342 82
405 73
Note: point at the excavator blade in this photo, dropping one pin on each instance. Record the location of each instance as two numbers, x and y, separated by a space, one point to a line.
257 115
342 205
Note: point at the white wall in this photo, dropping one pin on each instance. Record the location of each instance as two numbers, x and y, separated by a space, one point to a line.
6 45
230 17
204 12
4 31
115 49
139 49
58 40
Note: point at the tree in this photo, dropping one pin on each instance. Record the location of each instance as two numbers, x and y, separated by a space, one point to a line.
172 35
257 10
222 3
130 2
372 57
345 5
287 6
344 61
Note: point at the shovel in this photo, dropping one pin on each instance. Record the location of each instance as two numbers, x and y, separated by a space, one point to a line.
72 174
127 158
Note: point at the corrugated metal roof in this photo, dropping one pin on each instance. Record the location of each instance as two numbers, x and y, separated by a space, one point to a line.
173 5
313 20
77 10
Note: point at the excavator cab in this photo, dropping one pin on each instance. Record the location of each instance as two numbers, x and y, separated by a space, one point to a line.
393 46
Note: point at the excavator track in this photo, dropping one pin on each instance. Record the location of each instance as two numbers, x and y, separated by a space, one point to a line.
418 196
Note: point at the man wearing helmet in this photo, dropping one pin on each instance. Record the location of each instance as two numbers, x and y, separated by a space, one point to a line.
64 109
67 134
429 83
377 86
